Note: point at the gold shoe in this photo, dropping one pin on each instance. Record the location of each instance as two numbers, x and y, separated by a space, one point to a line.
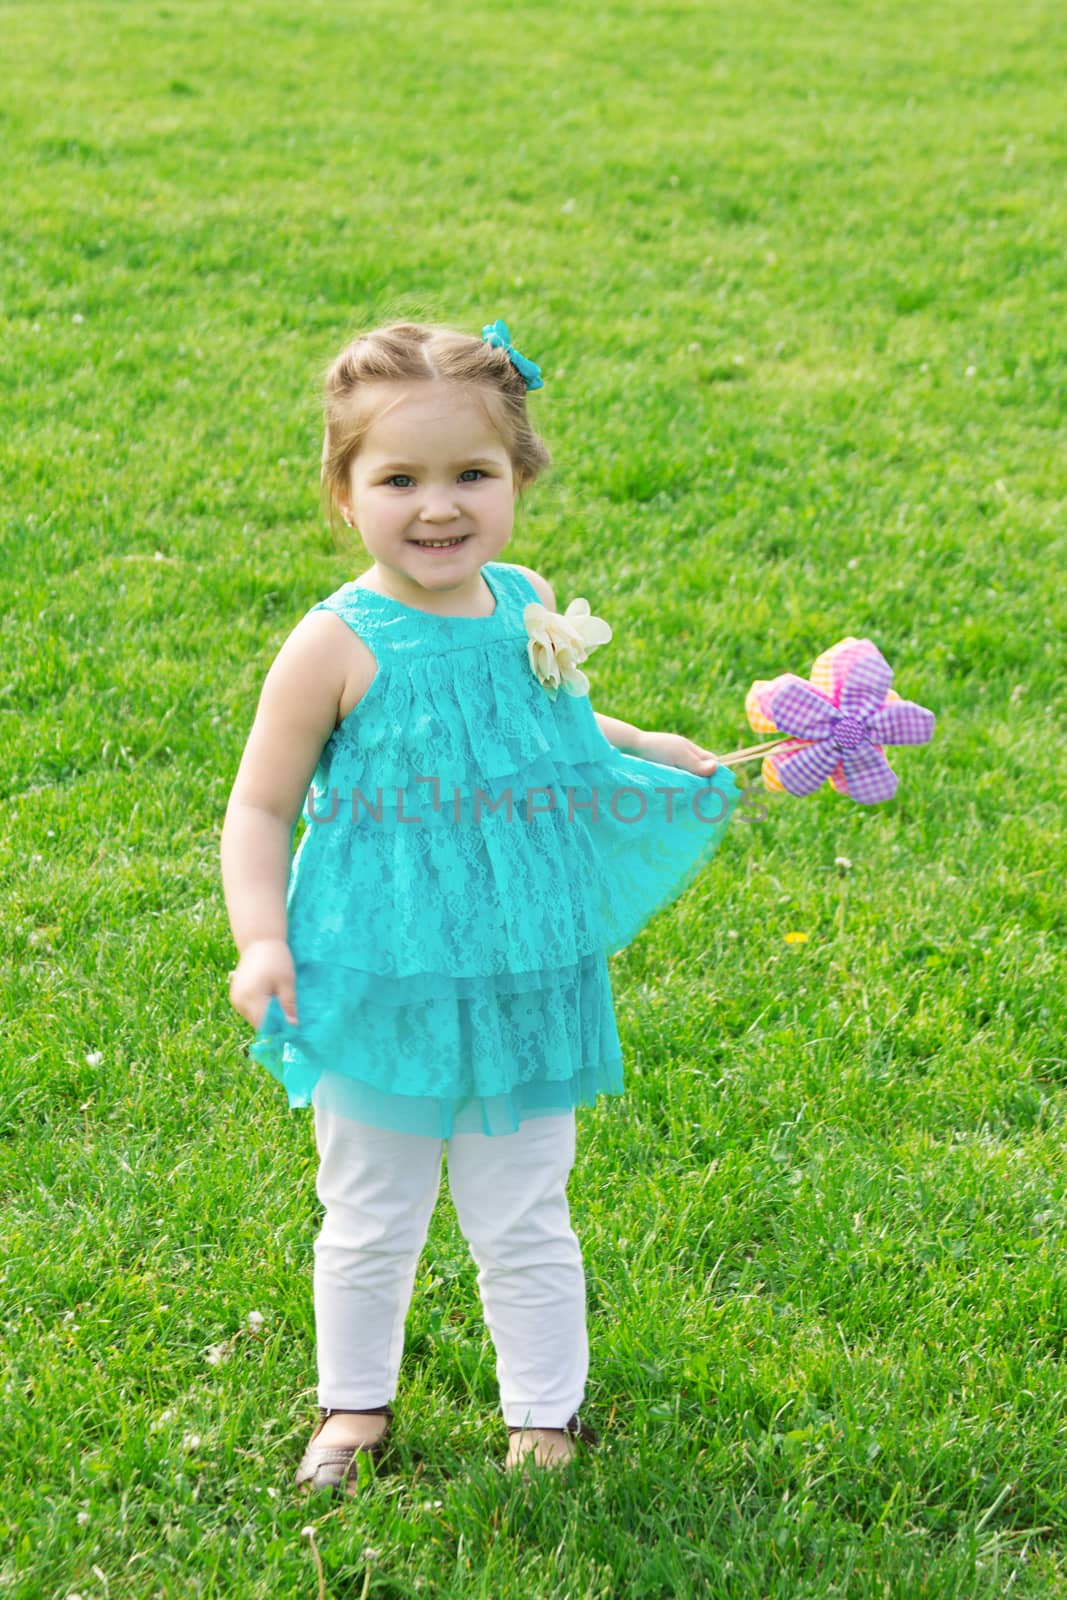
334 1467
548 1447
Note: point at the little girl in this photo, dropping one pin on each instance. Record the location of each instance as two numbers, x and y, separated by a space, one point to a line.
430 970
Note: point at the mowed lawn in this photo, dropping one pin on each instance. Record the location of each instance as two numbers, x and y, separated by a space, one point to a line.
795 277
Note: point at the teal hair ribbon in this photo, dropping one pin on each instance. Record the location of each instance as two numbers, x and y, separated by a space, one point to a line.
497 335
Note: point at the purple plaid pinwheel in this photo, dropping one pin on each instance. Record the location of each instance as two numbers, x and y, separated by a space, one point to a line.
836 724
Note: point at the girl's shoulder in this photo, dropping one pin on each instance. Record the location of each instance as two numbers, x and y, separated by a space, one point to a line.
541 586
350 654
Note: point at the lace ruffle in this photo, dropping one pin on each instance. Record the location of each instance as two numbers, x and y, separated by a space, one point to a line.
536 889
487 1053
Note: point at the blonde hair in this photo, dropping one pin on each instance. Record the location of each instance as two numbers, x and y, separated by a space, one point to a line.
422 352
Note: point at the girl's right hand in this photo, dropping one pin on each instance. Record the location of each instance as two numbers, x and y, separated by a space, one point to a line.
264 969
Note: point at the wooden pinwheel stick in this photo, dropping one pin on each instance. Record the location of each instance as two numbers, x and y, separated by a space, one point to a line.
755 752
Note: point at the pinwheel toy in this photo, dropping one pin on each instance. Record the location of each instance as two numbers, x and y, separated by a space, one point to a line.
835 725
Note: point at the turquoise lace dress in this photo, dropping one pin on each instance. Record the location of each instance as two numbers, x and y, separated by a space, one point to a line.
474 851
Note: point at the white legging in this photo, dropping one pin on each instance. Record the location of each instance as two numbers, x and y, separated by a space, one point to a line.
509 1190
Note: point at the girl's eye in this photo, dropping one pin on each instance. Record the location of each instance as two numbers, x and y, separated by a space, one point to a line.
470 473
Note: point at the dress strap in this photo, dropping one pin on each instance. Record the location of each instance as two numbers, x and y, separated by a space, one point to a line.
386 628
516 585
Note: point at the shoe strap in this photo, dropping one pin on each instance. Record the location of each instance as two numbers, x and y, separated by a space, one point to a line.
353 1411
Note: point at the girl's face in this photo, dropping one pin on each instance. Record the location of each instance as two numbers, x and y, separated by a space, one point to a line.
431 467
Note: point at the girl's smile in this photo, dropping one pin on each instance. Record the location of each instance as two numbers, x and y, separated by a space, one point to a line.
439 544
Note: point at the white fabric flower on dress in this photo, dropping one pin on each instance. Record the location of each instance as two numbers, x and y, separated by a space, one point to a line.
558 644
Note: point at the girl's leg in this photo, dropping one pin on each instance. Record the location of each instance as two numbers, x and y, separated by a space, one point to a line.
379 1190
510 1195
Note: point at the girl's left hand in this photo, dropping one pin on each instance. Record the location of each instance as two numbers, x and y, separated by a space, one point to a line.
672 750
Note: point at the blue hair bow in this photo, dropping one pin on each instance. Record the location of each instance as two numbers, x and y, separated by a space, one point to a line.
497 335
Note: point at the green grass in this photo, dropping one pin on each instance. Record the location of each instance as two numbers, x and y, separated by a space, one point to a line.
795 279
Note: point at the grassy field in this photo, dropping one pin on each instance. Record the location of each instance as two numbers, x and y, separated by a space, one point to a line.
795 279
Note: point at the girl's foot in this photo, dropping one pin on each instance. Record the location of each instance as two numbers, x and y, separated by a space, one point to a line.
548 1447
358 1429
331 1458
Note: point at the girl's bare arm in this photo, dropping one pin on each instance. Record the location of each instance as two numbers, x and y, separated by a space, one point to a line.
298 710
